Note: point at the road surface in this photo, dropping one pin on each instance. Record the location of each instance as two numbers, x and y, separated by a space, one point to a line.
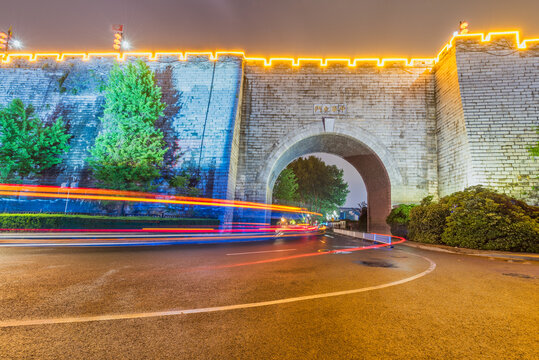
266 300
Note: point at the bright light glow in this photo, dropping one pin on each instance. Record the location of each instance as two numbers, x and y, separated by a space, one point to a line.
126 45
17 44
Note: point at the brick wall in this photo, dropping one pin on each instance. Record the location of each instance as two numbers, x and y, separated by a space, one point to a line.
487 112
390 112
499 87
186 89
469 120
454 162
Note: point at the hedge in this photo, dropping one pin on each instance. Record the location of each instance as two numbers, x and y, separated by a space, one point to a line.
399 218
477 218
61 221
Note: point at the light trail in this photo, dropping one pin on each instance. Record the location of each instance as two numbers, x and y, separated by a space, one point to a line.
260 252
57 192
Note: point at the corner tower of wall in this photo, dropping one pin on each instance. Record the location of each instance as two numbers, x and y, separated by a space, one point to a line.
499 90
454 162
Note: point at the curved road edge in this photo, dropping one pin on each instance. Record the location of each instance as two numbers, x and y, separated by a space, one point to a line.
140 315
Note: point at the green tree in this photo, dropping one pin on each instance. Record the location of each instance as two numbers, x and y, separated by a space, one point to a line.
129 148
321 187
27 145
285 188
186 182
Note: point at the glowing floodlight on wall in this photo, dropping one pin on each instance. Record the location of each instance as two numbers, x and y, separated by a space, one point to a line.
17 44
463 28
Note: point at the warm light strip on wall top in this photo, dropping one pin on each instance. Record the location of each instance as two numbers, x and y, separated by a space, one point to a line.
485 38
268 62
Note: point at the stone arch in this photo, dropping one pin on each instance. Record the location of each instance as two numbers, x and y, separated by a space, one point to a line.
356 145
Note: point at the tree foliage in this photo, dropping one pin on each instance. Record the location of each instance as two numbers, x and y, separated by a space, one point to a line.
400 215
286 187
321 187
27 145
186 181
129 148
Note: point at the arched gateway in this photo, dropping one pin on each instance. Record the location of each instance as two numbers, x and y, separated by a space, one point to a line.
357 148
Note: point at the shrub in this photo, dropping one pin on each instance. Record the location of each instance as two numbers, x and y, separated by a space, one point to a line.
399 218
477 218
427 222
484 219
61 221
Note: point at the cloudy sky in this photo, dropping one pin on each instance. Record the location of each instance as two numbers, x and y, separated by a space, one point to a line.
408 28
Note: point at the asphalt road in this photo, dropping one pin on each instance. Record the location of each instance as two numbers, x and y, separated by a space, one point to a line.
266 300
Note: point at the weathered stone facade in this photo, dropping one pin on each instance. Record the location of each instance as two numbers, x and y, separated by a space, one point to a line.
411 129
390 114
200 126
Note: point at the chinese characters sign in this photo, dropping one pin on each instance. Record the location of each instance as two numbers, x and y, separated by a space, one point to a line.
330 109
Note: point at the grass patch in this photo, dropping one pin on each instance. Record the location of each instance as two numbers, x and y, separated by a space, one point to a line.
61 221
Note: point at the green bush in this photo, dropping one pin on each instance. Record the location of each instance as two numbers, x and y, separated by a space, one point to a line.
399 218
477 218
60 221
427 222
484 219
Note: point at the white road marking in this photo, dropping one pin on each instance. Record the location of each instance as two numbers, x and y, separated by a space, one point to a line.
329 236
260 252
82 319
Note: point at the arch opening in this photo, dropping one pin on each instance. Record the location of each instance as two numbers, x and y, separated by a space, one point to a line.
360 156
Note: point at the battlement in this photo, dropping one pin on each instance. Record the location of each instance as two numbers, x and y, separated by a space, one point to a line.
480 38
510 39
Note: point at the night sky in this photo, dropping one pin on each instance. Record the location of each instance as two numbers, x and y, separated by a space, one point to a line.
407 28
410 28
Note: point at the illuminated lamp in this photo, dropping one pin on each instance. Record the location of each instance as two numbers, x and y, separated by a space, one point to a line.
463 28
117 44
4 40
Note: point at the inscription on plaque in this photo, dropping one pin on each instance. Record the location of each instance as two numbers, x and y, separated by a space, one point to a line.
329 109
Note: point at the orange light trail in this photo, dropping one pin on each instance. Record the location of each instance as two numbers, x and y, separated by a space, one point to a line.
56 192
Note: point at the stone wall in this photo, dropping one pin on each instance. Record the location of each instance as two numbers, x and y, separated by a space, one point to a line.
454 163
487 112
410 131
390 112
199 131
499 86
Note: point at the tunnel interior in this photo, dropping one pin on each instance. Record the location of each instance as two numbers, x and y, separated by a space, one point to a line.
364 160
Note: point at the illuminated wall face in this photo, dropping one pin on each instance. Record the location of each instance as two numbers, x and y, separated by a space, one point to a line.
499 91
486 113
388 111
200 129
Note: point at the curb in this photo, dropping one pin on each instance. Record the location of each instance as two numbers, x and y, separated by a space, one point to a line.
510 257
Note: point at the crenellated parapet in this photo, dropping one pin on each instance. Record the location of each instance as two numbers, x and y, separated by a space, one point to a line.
506 40
492 40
